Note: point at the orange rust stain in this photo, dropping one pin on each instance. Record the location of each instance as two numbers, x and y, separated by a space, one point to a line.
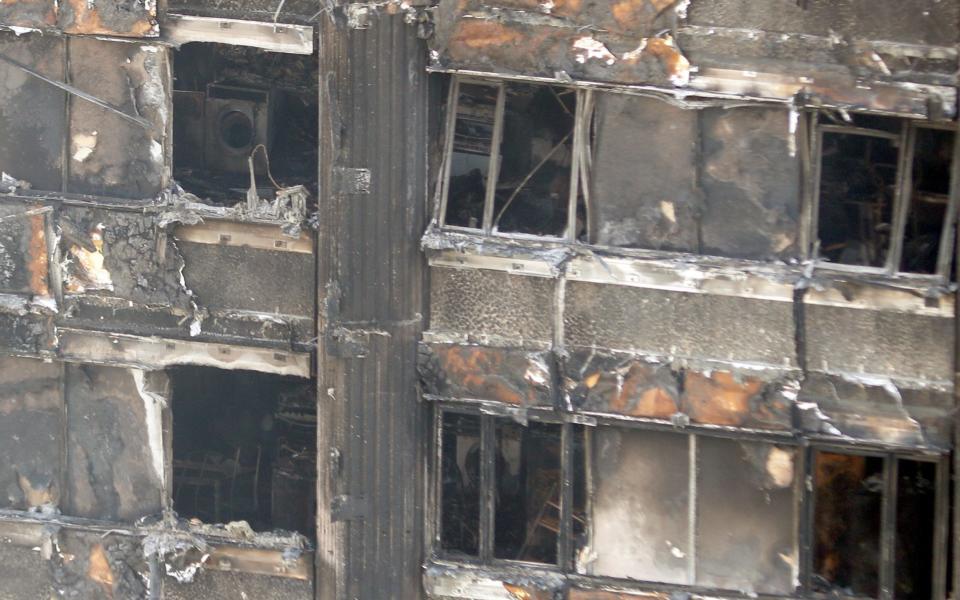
36 496
719 399
674 63
475 370
627 12
476 34
87 20
37 259
99 568
634 396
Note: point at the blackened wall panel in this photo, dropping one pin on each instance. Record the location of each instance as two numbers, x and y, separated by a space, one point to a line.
31 426
32 112
679 324
111 468
371 278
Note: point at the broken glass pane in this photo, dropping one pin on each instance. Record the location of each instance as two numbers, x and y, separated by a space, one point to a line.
460 481
640 506
527 491
470 156
857 186
848 499
928 200
916 508
746 536
533 186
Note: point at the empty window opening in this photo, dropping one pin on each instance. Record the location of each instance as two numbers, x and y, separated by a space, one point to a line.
533 186
244 448
857 191
875 526
929 199
527 491
234 105
511 159
502 490
915 543
470 157
460 483
848 504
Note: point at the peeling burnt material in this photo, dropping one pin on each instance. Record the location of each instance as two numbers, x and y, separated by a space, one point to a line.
509 376
129 18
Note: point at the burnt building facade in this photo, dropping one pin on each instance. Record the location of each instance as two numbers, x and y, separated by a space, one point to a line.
478 300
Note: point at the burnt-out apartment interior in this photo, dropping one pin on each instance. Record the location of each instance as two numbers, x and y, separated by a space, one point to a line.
479 299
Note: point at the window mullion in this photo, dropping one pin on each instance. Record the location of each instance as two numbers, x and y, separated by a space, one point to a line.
901 196
453 102
945 255
565 537
888 529
493 172
488 482
692 512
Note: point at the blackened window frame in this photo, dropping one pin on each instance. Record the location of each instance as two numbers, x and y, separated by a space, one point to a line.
906 140
806 448
579 167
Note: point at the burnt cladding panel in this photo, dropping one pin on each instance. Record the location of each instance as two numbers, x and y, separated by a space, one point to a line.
679 323
644 176
24 574
109 155
111 471
31 425
930 22
32 112
480 301
248 279
221 585
292 11
751 184
880 343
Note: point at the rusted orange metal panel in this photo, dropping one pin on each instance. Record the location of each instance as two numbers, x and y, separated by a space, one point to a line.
37 258
127 18
632 387
722 398
503 375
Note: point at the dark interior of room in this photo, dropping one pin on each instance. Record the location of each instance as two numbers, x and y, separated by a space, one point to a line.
234 103
244 448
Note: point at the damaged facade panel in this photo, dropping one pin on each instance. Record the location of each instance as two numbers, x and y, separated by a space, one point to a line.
875 409
108 154
502 375
271 286
126 18
226 584
95 125
112 471
717 181
666 323
471 303
32 110
31 425
885 343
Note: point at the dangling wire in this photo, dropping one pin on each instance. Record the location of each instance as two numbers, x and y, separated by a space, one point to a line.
266 158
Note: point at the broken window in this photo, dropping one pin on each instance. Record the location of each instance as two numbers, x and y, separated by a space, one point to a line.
243 118
502 490
884 197
514 159
874 526
244 448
